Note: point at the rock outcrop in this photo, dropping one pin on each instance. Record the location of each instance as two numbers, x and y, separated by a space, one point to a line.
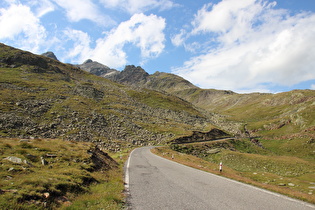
213 134
101 160
50 54
97 68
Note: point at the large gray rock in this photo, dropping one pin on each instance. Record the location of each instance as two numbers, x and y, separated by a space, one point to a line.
14 159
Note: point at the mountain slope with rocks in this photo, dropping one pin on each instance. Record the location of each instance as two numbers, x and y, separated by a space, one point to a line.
43 98
253 114
44 101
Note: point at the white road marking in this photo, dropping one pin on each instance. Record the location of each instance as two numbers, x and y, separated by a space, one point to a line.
127 173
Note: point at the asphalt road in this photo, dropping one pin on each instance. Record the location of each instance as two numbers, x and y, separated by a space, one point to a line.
157 183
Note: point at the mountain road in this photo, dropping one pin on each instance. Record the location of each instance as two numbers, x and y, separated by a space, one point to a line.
153 182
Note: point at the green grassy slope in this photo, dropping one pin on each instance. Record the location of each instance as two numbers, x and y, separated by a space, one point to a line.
69 171
261 112
41 97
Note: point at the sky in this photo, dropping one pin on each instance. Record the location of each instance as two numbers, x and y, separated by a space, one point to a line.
239 45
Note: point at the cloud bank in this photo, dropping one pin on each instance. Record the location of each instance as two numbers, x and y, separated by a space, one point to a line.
144 32
77 10
20 25
138 6
254 46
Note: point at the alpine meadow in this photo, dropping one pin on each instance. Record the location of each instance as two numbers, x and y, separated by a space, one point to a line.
66 131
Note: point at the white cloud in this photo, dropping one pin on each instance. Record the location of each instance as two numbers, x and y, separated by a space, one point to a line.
257 46
42 7
20 25
138 6
313 87
179 39
80 45
223 16
144 32
77 10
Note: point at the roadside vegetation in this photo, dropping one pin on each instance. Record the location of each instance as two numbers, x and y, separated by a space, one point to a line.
262 165
57 174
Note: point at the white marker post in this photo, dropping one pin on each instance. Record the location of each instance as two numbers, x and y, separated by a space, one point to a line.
220 166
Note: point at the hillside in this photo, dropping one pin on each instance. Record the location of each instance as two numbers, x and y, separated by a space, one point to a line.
49 173
254 114
43 98
57 120
283 123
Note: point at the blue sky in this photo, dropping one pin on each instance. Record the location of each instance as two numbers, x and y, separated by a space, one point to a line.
239 45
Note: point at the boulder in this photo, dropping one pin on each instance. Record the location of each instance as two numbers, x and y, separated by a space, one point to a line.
14 159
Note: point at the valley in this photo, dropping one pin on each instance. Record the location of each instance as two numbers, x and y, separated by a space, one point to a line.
48 107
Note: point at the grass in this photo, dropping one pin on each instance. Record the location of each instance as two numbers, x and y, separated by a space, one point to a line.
291 146
158 100
105 195
291 176
64 90
109 193
67 182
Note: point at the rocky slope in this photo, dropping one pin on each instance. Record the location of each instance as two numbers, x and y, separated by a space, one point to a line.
253 114
43 98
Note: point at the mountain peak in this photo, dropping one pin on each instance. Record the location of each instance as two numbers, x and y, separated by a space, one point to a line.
132 69
96 68
51 55
88 61
133 75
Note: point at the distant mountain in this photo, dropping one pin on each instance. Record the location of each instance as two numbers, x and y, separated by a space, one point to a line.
97 68
50 54
137 76
131 75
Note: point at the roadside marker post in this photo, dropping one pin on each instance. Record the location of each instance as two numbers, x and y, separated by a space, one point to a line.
220 166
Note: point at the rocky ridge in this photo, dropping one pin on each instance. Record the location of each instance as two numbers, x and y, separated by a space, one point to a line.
97 68
228 110
168 84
